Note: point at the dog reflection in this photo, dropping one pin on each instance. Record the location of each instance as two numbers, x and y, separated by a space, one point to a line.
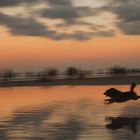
116 123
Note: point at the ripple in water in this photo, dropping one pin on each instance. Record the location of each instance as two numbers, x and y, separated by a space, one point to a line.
66 113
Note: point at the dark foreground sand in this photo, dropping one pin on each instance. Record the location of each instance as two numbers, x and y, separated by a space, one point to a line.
117 80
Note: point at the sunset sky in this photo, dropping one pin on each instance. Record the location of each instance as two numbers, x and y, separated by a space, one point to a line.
60 33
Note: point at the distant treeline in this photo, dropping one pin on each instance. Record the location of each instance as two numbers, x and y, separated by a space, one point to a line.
69 73
123 70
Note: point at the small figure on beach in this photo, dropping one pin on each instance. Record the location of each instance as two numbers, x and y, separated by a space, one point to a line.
119 96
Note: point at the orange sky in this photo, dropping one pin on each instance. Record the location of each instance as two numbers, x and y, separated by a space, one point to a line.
34 52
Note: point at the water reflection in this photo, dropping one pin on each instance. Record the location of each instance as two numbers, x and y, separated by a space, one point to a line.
116 123
42 123
65 113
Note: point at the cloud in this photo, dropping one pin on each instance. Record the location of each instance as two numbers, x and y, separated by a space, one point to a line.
31 27
130 28
60 12
4 3
128 17
67 12
9 3
27 27
64 9
127 10
59 2
23 26
60 9
83 35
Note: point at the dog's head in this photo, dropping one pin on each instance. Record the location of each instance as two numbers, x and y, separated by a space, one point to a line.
110 92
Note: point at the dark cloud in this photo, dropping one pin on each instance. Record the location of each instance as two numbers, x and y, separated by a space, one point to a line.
127 11
60 12
130 28
76 22
109 33
4 3
70 15
68 12
128 17
30 27
59 2
58 9
7 3
23 26
27 27
88 35
82 35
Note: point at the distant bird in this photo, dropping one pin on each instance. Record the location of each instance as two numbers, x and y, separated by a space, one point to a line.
119 96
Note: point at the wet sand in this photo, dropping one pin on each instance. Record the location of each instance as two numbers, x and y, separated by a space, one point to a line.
116 80
67 113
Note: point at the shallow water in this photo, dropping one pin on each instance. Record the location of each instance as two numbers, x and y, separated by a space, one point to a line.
67 113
